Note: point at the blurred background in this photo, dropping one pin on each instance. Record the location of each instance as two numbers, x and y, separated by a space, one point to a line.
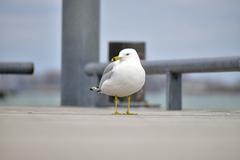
31 31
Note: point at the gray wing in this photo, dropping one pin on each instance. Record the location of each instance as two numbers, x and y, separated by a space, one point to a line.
107 73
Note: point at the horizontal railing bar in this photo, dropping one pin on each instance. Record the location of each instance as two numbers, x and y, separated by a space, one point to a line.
16 68
197 65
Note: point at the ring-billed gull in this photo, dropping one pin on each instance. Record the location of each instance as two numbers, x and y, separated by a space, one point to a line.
123 77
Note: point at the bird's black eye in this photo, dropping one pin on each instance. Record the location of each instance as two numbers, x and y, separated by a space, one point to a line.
127 54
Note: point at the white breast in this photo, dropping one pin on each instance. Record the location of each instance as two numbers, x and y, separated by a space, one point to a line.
127 79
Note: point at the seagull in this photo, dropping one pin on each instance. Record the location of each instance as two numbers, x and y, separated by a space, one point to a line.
123 77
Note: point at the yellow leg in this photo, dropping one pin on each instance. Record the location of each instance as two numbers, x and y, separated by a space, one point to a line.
116 106
128 107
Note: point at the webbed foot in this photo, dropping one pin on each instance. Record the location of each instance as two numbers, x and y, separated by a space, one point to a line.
129 113
117 113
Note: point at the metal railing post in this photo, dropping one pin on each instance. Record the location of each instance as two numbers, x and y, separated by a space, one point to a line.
174 91
80 45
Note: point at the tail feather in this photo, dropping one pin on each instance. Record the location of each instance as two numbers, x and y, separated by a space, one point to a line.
95 89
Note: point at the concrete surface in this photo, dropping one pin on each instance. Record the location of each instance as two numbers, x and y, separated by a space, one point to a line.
90 133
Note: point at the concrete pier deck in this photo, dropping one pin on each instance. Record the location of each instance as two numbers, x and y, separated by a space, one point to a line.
89 133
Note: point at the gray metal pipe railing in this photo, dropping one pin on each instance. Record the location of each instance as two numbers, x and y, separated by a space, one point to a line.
198 65
174 70
16 68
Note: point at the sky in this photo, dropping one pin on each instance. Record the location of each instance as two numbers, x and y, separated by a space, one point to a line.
31 31
172 29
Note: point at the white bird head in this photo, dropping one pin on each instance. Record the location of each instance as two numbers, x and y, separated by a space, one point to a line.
126 54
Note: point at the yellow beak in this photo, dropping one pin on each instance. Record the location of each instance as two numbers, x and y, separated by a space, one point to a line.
115 58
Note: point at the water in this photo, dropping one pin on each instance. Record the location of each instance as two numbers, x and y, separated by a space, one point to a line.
32 98
192 102
214 101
